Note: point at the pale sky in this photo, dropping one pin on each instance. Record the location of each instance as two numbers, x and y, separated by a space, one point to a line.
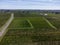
30 4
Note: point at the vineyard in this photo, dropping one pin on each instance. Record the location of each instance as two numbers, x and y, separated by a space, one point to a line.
32 30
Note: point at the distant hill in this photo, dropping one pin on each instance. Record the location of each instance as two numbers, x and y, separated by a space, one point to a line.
7 10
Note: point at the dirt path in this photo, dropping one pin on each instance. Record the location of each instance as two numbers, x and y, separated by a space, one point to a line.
5 26
50 23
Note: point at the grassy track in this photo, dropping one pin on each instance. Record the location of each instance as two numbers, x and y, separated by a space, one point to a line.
50 23
5 26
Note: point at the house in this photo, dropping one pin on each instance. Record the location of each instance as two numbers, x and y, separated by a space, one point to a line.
45 14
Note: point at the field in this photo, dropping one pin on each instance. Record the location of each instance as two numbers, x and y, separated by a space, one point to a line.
32 31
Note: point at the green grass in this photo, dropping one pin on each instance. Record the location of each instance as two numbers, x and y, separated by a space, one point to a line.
40 24
20 23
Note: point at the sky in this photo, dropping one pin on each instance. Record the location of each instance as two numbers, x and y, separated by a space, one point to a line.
30 4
